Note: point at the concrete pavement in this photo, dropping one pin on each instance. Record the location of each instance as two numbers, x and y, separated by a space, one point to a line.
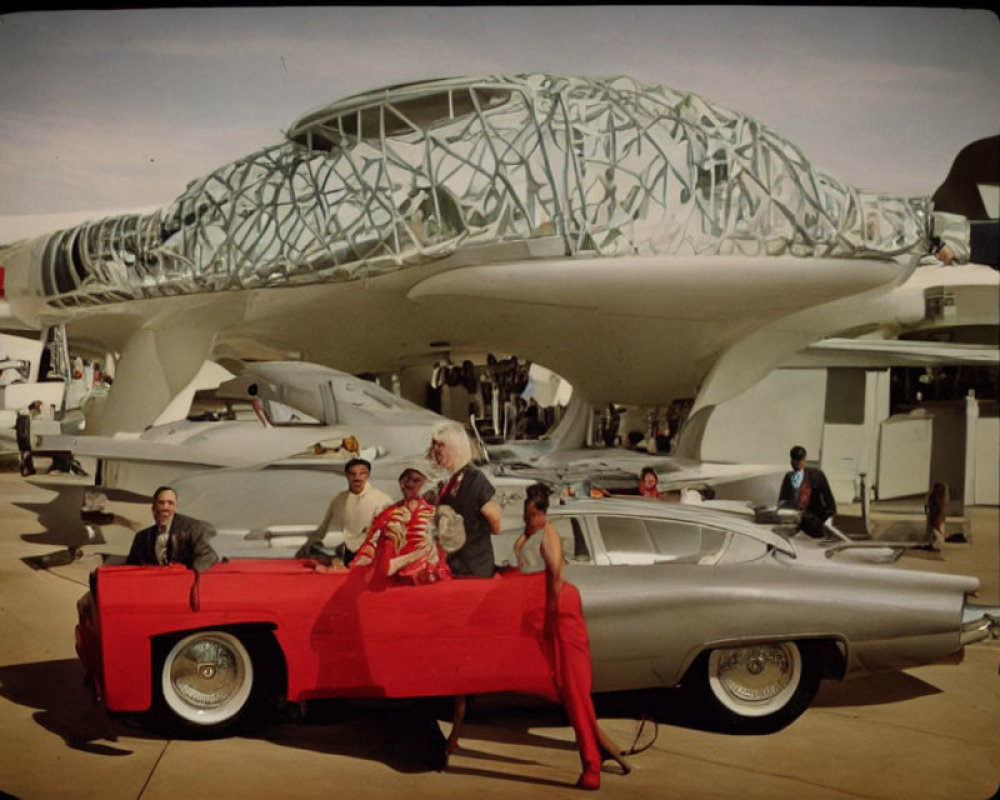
931 732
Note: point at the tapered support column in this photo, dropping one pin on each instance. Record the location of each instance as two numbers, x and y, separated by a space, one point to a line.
153 368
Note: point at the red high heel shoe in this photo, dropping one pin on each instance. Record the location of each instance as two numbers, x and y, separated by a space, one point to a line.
589 781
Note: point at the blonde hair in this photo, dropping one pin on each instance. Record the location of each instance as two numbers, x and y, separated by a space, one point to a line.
454 437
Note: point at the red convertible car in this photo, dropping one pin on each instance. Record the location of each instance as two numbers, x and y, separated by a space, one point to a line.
216 645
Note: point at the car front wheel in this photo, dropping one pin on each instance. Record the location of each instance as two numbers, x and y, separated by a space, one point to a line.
759 688
208 685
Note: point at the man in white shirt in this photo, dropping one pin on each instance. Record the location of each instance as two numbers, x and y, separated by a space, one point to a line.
351 511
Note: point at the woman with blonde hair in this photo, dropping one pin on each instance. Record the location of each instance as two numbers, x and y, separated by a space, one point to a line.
469 492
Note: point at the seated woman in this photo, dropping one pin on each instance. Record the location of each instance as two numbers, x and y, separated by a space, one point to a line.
400 546
649 484
566 636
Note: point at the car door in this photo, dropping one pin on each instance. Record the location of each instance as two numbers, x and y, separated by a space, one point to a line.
641 592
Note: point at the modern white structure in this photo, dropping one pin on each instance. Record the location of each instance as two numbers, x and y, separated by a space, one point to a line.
642 243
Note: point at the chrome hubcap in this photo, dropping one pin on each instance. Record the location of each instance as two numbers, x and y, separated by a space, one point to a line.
755 674
207 673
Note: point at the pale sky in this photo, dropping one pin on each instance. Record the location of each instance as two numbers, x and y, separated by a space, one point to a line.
120 109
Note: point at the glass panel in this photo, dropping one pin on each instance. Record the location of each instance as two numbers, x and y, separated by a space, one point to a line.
845 396
624 535
581 552
489 98
370 398
712 541
364 123
281 414
531 559
686 542
422 112
574 547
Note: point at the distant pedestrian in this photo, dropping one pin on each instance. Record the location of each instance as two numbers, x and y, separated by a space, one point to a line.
807 490
935 509
649 484
22 430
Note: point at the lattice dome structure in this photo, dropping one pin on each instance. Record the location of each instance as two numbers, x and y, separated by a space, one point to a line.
411 174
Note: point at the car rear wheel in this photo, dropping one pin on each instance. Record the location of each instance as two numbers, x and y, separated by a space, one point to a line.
758 688
209 684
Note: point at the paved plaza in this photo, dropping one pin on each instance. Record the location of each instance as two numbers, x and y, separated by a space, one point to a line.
927 733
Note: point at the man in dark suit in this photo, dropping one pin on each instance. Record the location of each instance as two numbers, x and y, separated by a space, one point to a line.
22 429
807 490
174 538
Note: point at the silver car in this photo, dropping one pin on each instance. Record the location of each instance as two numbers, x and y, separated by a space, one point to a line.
748 619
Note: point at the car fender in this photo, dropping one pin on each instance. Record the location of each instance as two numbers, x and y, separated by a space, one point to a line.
835 650
140 605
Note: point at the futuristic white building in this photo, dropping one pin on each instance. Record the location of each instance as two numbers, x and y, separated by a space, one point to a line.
641 242
412 174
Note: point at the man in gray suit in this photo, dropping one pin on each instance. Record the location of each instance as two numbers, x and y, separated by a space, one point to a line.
174 538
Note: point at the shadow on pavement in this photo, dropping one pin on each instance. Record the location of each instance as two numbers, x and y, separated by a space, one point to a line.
678 708
71 564
405 735
59 518
62 526
65 705
873 690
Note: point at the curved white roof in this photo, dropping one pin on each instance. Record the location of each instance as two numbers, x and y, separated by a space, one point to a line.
408 175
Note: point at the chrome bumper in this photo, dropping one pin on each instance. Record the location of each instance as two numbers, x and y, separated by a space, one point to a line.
979 623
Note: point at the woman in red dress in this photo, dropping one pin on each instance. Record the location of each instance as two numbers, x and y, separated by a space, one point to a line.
566 635
400 546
